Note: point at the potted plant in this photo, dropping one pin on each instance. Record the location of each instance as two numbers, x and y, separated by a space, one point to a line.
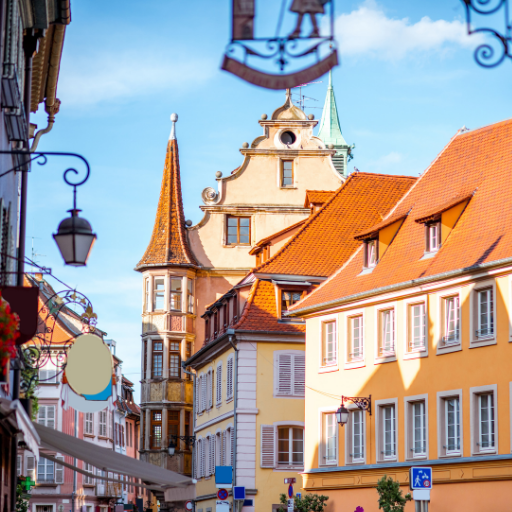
9 332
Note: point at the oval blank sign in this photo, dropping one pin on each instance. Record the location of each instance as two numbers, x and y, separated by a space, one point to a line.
89 365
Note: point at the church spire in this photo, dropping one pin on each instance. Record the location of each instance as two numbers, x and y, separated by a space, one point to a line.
169 242
330 131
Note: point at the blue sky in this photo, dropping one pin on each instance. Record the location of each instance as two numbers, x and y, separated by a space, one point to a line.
407 82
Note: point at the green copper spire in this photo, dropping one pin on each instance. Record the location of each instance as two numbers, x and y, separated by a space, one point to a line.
330 131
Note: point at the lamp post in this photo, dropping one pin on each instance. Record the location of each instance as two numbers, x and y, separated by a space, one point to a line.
362 402
171 449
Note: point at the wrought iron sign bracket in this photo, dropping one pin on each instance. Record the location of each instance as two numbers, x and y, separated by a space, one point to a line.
188 440
362 402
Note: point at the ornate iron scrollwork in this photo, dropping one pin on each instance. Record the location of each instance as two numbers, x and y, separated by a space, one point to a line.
496 48
362 402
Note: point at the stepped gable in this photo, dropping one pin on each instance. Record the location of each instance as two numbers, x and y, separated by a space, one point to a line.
169 242
476 165
327 239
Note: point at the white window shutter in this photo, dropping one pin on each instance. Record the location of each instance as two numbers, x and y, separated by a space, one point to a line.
267 446
197 404
229 379
212 455
210 389
59 471
224 448
203 393
198 459
203 446
232 445
219 384
299 375
285 374
50 416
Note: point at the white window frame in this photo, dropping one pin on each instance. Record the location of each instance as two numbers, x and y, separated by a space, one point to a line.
442 448
349 436
45 408
433 242
289 425
385 357
350 362
218 384
440 325
154 292
293 354
334 366
474 318
409 404
410 303
475 393
89 423
230 390
371 253
379 430
190 296
103 424
322 426
47 378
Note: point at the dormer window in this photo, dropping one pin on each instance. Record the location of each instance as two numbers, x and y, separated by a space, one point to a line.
433 236
288 299
370 256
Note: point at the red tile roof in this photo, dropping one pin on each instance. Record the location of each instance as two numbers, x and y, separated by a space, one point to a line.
264 241
446 206
480 159
317 197
260 311
327 239
377 227
169 242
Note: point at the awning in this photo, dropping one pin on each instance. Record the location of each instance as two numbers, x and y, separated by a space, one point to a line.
108 460
15 414
181 493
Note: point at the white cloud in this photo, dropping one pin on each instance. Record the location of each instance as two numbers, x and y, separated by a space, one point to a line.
368 31
88 80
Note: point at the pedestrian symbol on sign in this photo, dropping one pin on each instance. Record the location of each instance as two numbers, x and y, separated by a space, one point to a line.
420 478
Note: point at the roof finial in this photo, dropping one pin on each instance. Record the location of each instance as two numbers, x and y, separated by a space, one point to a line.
174 119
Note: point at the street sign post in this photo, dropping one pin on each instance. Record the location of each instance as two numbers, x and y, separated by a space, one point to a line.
189 505
420 482
222 494
291 505
238 492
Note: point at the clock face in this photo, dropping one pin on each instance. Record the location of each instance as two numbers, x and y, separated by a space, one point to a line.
288 138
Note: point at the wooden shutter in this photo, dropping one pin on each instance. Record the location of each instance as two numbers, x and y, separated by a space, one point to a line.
232 445
219 384
50 416
267 446
212 455
59 471
30 468
285 374
299 375
229 379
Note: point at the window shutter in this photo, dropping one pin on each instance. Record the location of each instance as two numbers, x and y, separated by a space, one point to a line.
197 404
50 416
224 448
198 458
210 391
203 393
219 384
18 465
203 446
232 445
59 471
41 415
229 379
212 455
285 374
267 446
299 375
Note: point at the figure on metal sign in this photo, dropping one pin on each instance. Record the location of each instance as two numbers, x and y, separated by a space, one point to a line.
311 7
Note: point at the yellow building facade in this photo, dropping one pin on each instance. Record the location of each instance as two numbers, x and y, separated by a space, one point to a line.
419 322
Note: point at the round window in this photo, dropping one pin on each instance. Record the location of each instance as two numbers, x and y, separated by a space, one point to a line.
288 138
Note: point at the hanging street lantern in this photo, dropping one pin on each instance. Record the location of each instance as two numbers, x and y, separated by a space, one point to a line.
362 402
172 447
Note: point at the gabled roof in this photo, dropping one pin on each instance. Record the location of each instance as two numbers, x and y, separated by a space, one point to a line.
169 242
438 210
327 239
264 241
317 197
260 311
478 159
367 233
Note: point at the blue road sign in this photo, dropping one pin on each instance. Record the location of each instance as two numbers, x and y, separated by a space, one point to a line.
238 492
420 478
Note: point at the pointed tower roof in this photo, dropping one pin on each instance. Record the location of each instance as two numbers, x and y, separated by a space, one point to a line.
169 242
330 131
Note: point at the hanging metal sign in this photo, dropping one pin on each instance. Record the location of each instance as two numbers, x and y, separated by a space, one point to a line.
301 39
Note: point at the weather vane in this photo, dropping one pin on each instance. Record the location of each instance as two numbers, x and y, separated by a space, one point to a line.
302 49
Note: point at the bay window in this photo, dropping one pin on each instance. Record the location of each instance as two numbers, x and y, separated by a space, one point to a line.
175 294
157 359
159 293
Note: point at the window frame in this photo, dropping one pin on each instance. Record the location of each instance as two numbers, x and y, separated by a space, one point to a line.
420 351
230 390
292 292
334 365
371 258
441 328
293 384
156 292
442 449
379 430
322 452
155 423
491 339
88 420
290 464
350 362
282 170
156 353
190 296
173 352
429 228
237 243
349 435
410 402
218 385
385 357
475 393
175 294
147 294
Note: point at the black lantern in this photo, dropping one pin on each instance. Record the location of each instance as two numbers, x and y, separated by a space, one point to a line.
75 239
172 446
342 415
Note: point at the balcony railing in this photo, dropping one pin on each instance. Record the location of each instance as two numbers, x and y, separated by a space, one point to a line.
486 332
451 339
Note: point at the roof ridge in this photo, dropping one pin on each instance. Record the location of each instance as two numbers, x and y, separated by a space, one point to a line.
359 173
485 127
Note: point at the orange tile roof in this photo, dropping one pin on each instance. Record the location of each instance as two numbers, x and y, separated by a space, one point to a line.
260 311
377 227
480 159
169 241
327 239
446 206
317 197
268 239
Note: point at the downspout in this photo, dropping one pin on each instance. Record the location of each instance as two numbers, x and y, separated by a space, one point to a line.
193 421
51 111
235 400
